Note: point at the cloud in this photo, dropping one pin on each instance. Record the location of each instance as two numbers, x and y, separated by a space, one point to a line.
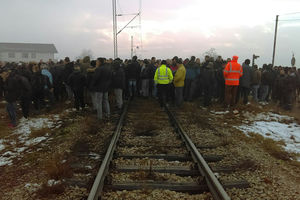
169 27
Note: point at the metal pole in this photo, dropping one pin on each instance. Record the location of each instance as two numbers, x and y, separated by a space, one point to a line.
275 38
131 46
115 29
140 23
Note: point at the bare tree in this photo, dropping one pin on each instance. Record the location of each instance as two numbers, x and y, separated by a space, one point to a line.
212 52
85 53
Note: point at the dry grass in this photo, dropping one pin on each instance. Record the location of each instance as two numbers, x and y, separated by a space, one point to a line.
90 125
144 128
39 132
56 169
274 148
46 190
226 140
248 164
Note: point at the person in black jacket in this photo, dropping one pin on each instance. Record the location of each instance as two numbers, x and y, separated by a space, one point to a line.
245 82
38 82
146 75
11 93
118 82
133 76
89 77
101 82
77 81
266 81
152 69
69 68
25 95
57 72
208 80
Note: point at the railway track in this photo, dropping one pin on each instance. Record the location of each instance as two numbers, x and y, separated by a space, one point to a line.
151 156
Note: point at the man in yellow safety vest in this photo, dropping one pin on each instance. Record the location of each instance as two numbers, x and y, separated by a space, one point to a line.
163 77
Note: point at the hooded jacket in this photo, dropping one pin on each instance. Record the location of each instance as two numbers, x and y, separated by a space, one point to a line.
180 76
232 72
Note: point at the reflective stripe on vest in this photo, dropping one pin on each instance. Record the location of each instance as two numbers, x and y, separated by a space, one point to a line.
163 77
232 79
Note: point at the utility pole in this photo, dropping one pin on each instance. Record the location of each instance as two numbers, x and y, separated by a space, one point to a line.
131 46
275 38
115 27
254 57
116 32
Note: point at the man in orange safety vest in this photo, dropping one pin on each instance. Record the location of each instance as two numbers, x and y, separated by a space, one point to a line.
232 73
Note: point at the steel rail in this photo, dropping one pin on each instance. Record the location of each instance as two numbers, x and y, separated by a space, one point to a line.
213 183
99 180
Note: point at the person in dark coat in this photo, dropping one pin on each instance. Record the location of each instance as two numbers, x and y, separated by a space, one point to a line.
285 85
89 77
22 70
266 77
192 71
118 82
133 76
146 73
208 80
11 94
220 81
77 82
25 95
38 83
57 72
101 82
69 68
245 82
152 69
256 80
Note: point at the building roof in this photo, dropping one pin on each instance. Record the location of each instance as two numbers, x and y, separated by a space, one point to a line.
27 47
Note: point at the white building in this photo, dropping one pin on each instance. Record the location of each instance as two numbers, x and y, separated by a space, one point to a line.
26 52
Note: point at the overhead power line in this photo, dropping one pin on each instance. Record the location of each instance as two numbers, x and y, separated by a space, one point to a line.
284 20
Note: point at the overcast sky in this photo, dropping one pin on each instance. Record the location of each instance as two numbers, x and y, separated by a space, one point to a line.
169 27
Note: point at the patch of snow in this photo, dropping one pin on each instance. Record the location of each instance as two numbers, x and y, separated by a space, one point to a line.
94 156
53 182
270 125
220 112
2 146
269 116
5 161
35 141
26 126
32 187
20 150
23 131
8 154
88 167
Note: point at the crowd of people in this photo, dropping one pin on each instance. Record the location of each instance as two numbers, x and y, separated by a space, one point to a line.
172 81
